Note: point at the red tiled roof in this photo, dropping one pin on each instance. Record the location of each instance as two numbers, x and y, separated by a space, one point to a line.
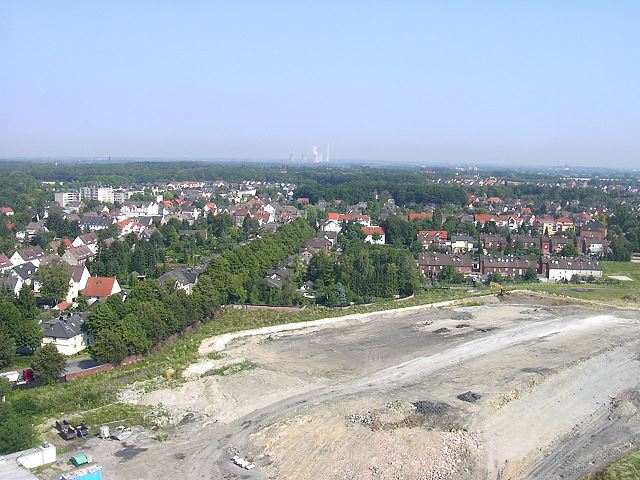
372 230
433 233
99 286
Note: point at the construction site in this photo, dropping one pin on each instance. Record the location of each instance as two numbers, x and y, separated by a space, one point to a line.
519 387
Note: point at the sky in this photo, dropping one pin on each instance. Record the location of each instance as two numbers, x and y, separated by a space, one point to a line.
405 82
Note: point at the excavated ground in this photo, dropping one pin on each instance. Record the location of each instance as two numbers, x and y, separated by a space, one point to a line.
523 388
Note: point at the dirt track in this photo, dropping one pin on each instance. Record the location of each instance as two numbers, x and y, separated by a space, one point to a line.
378 399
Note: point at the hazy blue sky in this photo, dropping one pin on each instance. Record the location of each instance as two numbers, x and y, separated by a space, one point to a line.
544 82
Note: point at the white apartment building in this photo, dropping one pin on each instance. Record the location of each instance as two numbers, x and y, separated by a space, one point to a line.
99 194
64 198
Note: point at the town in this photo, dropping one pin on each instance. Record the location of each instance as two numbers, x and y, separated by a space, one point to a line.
98 277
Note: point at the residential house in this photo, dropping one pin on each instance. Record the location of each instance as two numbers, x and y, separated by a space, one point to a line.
594 229
277 277
330 226
593 246
306 254
5 263
27 273
89 239
99 288
430 264
493 241
350 217
128 226
78 281
461 243
180 279
78 255
56 244
527 241
374 235
11 284
433 238
558 243
506 265
30 254
94 224
558 269
67 333
546 225
564 224
319 243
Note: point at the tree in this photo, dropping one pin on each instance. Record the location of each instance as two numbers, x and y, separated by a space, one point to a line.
133 334
83 303
108 347
5 390
494 277
16 433
26 302
530 275
48 363
28 334
569 250
7 349
54 278
102 317
449 274
249 225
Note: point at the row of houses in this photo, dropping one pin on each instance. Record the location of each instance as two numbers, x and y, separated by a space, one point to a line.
588 245
554 269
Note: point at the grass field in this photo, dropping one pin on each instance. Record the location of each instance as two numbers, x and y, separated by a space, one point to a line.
619 293
627 468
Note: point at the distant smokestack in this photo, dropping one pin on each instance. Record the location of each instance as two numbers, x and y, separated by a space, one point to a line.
326 157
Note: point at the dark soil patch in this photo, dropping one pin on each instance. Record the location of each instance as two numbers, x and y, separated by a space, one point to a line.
442 330
470 396
129 452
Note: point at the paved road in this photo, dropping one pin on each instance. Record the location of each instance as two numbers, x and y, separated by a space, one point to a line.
79 364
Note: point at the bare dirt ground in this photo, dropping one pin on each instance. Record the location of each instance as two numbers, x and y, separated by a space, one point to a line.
524 388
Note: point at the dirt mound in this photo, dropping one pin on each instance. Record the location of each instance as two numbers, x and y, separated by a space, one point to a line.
356 451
